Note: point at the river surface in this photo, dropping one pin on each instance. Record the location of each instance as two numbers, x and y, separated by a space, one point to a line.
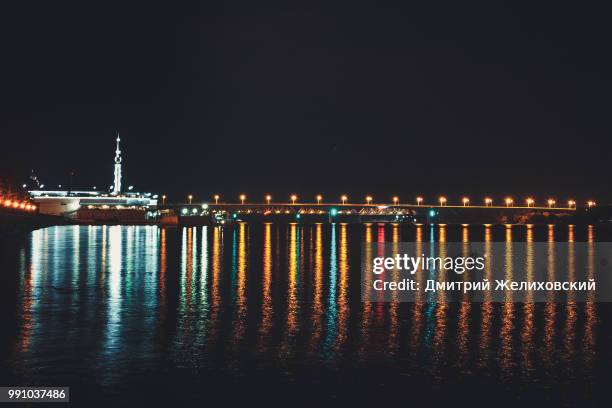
128 315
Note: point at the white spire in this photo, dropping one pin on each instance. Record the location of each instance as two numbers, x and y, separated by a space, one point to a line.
118 151
117 184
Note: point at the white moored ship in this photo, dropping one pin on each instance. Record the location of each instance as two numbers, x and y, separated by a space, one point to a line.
94 205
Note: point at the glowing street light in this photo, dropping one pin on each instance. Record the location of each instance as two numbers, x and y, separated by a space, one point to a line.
369 199
190 197
591 203
164 199
319 198
466 201
419 200
571 203
293 198
242 198
509 202
216 197
530 202
344 198
442 200
488 202
268 198
551 203
395 200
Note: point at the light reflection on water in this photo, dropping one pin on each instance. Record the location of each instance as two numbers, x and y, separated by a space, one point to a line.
132 298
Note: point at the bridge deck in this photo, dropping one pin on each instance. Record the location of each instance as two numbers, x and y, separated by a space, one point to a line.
364 205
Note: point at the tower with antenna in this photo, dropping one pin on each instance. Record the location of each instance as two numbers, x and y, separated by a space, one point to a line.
117 183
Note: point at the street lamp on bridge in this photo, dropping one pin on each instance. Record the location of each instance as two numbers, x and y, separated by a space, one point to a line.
488 202
509 202
164 199
419 200
344 198
293 198
396 200
530 201
190 197
466 201
216 197
369 199
319 198
591 203
442 201
571 204
551 203
242 198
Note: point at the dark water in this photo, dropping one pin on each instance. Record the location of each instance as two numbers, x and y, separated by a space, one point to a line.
272 314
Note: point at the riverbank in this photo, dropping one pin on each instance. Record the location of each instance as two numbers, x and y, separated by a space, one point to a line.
16 222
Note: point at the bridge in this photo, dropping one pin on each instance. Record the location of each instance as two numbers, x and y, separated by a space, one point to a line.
369 211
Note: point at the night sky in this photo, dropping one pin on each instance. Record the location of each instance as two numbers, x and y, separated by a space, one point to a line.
361 98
